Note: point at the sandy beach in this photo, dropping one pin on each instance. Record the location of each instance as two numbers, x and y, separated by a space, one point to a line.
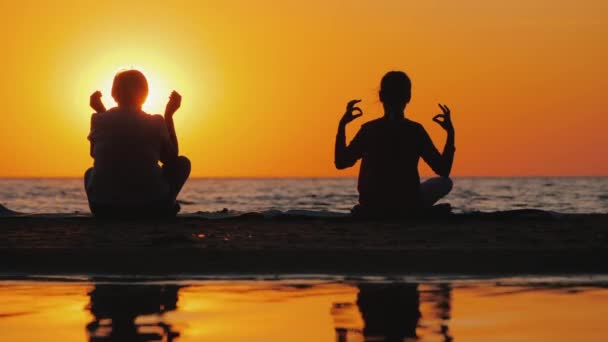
516 242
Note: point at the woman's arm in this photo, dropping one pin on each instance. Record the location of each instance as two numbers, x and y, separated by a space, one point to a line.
441 163
346 156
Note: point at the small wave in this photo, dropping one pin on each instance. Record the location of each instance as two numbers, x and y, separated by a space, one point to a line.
221 214
266 214
184 202
468 194
5 212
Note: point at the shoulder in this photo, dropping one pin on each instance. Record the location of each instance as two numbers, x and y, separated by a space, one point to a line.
157 122
372 124
112 112
160 121
96 118
414 125
156 117
380 123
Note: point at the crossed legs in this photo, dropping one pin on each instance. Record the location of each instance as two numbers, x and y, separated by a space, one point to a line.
176 174
434 189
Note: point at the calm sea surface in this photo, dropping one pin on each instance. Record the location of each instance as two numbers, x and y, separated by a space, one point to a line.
567 195
305 310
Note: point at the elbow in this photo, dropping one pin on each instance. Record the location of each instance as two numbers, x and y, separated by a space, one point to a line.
341 164
443 171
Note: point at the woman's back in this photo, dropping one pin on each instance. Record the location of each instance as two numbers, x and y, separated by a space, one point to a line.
390 151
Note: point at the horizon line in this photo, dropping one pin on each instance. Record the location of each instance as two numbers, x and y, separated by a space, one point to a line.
315 177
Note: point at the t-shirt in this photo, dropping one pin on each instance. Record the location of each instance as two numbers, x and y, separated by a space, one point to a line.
127 146
390 151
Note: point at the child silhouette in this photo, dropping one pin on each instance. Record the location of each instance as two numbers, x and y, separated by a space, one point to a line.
390 148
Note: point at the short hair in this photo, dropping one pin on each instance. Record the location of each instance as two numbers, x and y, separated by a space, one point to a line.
130 87
396 88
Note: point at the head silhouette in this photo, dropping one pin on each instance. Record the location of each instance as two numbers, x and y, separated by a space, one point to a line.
395 92
130 88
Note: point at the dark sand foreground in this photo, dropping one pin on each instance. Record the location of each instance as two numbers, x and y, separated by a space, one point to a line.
520 242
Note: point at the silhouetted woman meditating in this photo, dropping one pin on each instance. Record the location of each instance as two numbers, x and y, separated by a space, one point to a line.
390 147
127 145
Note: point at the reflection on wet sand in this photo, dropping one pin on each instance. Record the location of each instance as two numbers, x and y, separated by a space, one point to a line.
391 312
299 311
131 312
441 297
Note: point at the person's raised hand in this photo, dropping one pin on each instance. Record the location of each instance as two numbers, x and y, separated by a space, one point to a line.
444 120
350 115
95 102
175 101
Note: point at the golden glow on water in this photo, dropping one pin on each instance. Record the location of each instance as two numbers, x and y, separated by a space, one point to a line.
43 312
296 311
516 314
258 312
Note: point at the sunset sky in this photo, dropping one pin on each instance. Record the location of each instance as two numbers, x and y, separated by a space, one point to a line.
264 83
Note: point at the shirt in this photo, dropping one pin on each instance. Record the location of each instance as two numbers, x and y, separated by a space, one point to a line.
390 151
126 147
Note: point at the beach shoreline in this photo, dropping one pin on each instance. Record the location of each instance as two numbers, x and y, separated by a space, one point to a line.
501 243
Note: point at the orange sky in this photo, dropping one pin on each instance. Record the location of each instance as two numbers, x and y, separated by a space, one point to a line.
265 82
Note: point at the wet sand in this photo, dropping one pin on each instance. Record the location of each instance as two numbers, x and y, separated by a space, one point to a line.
521 242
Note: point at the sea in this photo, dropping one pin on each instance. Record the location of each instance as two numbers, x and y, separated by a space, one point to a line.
323 195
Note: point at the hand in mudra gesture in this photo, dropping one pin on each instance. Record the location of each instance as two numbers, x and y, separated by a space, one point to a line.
350 115
95 102
175 101
444 120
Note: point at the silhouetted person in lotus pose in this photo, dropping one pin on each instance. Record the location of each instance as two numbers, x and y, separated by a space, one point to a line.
390 147
127 145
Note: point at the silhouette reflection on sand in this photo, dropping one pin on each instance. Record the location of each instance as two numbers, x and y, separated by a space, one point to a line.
391 312
118 309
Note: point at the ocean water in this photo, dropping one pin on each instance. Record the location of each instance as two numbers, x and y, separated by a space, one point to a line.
320 310
565 195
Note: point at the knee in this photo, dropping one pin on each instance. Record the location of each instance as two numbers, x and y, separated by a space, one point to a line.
87 173
184 164
87 176
447 184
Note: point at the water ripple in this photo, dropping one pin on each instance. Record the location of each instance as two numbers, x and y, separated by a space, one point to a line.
568 195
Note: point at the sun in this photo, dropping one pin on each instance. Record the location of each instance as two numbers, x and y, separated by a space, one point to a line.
158 95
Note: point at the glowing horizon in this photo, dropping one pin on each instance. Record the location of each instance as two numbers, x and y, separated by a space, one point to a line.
264 84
